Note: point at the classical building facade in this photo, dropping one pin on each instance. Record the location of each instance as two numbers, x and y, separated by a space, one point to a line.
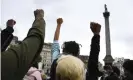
84 58
119 62
46 62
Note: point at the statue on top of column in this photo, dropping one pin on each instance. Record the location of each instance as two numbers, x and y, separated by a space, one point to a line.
105 6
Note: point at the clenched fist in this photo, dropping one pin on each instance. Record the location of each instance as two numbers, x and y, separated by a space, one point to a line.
10 23
59 21
39 13
95 27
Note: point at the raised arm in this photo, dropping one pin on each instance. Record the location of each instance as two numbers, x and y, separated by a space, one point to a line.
57 32
92 71
6 34
55 45
55 49
17 60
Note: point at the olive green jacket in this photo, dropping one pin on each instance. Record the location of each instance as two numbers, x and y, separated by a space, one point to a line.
16 61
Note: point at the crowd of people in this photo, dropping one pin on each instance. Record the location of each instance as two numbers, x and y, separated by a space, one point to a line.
66 65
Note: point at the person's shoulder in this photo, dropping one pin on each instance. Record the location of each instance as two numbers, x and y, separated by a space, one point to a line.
36 73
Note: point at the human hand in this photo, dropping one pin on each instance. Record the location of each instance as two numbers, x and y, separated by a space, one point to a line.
95 27
39 13
59 21
10 23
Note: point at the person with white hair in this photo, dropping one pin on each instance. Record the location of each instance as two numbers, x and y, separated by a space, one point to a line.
69 48
72 48
70 68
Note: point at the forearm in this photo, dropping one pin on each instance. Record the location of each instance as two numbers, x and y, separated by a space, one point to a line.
55 45
37 31
57 32
93 58
39 25
95 48
24 54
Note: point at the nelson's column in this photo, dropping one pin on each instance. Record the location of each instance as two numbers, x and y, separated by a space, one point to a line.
108 60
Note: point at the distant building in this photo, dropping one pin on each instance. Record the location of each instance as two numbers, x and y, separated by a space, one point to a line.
119 62
85 59
46 62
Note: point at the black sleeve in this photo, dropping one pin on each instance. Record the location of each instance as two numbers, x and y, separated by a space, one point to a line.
6 38
92 71
53 70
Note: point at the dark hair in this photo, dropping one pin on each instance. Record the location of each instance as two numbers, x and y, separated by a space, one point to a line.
116 70
71 47
128 65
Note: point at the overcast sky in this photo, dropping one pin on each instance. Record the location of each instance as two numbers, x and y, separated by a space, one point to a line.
77 15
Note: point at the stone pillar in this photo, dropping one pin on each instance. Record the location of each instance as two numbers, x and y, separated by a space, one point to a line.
108 58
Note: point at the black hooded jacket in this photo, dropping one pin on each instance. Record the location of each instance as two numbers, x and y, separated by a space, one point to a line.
6 38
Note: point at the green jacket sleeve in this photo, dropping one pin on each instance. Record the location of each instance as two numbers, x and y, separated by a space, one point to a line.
17 60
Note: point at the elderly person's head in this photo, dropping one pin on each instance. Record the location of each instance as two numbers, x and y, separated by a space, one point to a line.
70 68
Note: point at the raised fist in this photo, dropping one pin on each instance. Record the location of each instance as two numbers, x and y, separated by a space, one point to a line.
39 13
10 23
95 27
59 21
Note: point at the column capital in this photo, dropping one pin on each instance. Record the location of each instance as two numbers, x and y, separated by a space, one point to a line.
106 14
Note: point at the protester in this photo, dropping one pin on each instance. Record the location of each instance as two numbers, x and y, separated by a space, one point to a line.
16 61
92 69
6 34
65 66
33 73
70 68
128 70
116 71
111 73
70 47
